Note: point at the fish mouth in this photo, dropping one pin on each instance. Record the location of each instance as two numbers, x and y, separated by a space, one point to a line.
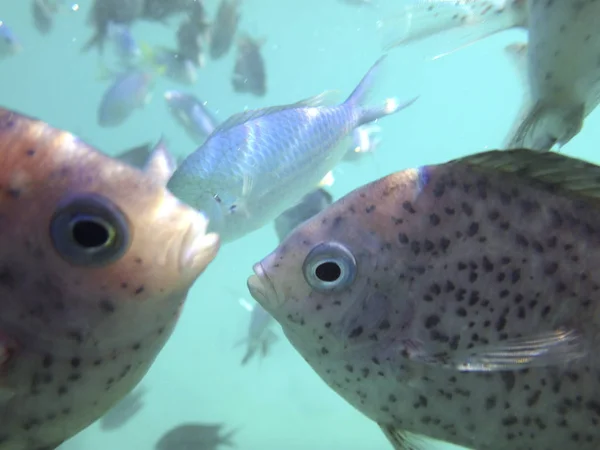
262 288
198 248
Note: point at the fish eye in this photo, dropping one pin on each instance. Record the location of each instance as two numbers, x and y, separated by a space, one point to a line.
329 267
90 231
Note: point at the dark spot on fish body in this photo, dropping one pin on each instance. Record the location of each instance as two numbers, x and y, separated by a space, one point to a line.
107 306
508 378
139 290
467 209
415 247
431 321
75 335
369 209
408 207
7 279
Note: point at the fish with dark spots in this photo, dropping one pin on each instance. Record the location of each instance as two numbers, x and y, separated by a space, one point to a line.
197 436
558 65
480 343
560 68
73 340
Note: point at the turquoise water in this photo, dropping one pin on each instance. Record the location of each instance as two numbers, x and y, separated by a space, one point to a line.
468 102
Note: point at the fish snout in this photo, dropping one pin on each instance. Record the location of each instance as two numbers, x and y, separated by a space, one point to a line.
262 288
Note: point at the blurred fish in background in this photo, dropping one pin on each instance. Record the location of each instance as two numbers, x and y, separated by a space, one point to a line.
129 91
195 436
193 35
162 10
174 65
310 205
43 12
365 140
249 73
9 44
145 155
224 28
124 411
260 336
126 47
191 114
104 12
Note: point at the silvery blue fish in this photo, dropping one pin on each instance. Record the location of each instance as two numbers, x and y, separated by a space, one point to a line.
258 163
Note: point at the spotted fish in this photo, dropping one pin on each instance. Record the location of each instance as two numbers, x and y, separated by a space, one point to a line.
456 302
563 71
96 261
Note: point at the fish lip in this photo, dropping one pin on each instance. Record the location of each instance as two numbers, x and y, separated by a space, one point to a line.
198 248
262 289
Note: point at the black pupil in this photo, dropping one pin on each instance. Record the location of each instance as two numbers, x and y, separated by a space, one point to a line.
90 234
328 272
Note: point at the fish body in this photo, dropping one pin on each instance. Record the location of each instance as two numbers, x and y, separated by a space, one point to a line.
195 436
125 44
175 66
310 205
123 411
224 28
475 19
456 302
9 44
162 10
129 91
563 73
96 262
191 114
103 12
193 35
249 73
258 163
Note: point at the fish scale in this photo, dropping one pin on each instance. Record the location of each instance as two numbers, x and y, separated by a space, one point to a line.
473 311
78 332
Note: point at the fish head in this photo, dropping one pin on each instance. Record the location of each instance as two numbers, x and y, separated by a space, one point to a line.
341 279
97 259
104 239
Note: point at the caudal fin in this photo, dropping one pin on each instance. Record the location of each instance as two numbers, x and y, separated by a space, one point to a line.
476 20
542 127
360 95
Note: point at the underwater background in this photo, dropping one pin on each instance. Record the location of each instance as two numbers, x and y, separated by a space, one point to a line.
468 101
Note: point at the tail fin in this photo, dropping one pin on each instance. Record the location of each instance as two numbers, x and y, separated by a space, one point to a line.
478 19
362 91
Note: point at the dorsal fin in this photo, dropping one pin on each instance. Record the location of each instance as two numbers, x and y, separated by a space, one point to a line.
323 99
161 164
556 170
